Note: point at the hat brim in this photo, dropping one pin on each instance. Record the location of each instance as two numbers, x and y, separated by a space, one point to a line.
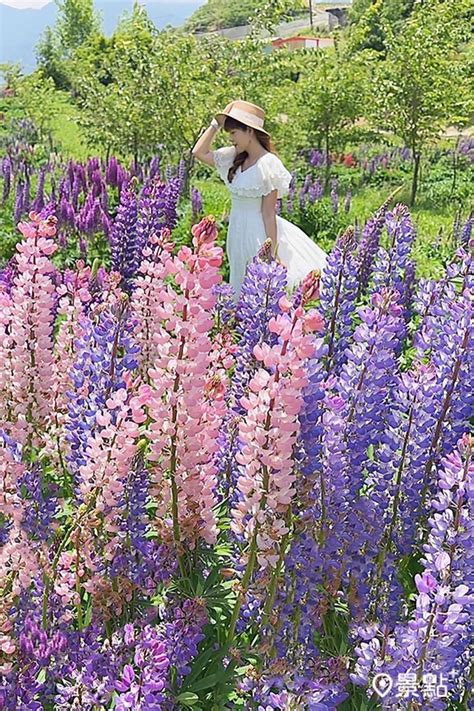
223 116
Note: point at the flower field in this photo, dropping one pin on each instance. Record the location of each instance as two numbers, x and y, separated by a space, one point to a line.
213 506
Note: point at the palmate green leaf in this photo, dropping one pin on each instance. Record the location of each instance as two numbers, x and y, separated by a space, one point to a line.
213 679
187 699
199 664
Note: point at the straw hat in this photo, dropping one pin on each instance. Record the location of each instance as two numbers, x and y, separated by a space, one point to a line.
245 112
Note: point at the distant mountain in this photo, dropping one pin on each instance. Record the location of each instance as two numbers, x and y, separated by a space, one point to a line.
20 30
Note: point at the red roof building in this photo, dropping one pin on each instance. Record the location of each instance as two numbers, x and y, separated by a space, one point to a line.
302 42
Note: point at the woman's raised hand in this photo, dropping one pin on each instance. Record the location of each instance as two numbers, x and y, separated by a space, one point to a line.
221 119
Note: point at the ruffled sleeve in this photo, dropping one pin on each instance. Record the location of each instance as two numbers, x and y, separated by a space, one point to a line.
223 159
274 176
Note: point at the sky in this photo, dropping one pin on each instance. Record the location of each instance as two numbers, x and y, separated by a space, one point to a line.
22 4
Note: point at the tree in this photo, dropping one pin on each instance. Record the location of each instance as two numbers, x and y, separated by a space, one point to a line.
143 88
367 21
421 86
330 97
77 22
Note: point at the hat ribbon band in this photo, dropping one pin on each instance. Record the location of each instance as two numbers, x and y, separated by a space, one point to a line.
245 116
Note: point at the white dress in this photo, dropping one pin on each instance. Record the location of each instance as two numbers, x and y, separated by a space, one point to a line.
246 230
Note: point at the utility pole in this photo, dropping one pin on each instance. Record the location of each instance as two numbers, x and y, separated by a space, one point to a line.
311 14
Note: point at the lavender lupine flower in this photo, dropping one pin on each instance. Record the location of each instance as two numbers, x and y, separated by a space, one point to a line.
111 172
181 173
316 190
141 559
92 165
291 194
466 232
319 687
104 353
75 192
7 173
142 684
437 640
123 238
38 202
339 287
303 193
67 216
183 633
446 335
196 204
316 158
19 201
394 267
366 384
7 274
42 503
263 286
157 208
26 193
155 166
367 247
395 479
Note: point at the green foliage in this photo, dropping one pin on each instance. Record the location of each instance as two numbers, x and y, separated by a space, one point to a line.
368 21
420 86
329 99
142 89
77 22
220 14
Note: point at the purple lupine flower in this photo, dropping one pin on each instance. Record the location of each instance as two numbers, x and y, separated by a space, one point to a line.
446 335
42 503
394 268
76 189
466 232
139 558
111 172
67 216
339 286
19 201
7 173
367 247
438 636
183 633
38 202
157 208
196 204
155 166
141 686
104 353
291 194
92 165
263 286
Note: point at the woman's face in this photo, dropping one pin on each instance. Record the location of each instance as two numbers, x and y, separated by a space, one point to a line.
240 138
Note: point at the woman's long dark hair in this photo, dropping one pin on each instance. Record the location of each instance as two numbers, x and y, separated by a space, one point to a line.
262 138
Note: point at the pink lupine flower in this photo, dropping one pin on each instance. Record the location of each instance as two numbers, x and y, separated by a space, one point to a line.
268 434
179 376
30 330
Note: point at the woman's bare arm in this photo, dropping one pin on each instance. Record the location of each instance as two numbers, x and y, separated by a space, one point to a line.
202 149
269 218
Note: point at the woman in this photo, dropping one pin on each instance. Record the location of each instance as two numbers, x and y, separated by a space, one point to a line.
256 178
